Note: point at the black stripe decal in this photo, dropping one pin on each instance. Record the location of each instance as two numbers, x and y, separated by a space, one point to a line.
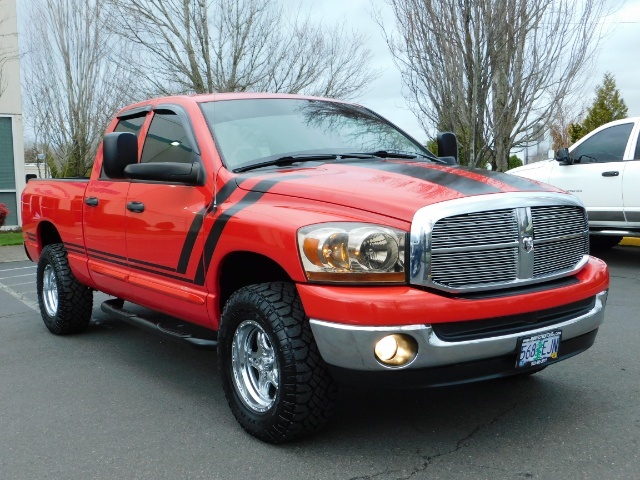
161 267
106 254
465 185
511 180
190 241
75 250
221 197
220 222
97 256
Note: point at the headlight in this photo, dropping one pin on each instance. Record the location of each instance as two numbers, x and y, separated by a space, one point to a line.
352 252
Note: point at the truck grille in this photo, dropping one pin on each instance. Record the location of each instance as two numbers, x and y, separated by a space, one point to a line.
506 247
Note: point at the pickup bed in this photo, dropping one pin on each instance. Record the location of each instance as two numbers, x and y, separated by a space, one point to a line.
603 170
313 244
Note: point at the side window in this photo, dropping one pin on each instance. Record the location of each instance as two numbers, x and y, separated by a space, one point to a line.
133 125
605 146
636 156
166 140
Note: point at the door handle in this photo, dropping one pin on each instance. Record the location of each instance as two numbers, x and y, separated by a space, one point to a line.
610 174
91 201
136 207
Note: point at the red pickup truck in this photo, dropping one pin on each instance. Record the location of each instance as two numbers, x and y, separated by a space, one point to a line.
313 243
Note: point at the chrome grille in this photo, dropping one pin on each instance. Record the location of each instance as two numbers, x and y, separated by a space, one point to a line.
472 229
557 256
558 221
463 269
498 241
560 233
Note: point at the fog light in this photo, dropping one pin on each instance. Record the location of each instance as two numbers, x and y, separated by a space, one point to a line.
396 350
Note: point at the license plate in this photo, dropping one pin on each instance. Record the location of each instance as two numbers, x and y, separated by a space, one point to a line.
538 349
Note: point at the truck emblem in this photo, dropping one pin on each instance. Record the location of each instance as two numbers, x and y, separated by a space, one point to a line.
527 243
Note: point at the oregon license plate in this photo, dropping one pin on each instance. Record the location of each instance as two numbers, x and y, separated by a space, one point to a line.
538 349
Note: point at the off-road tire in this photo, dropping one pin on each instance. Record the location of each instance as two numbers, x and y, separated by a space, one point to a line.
74 300
306 394
599 243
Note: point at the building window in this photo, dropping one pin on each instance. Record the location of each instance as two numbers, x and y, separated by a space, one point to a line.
7 171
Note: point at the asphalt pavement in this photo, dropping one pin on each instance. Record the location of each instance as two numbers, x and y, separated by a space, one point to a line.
117 402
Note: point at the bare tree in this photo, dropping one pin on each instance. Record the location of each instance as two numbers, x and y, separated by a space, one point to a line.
204 46
72 84
493 71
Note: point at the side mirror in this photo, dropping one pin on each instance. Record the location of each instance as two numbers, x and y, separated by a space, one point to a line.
187 173
118 150
30 176
563 157
448 146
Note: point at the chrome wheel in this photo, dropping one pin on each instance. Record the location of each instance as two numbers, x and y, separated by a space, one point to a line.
255 366
50 291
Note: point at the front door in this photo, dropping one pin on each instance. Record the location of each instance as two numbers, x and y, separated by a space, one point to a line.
163 227
597 178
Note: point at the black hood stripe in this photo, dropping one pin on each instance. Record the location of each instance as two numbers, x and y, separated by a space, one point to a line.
220 223
511 180
459 183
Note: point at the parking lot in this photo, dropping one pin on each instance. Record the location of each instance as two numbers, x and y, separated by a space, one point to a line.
116 402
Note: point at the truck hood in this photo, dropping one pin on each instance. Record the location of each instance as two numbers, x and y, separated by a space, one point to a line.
530 166
394 188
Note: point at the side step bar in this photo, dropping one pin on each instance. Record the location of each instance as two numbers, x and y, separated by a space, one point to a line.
180 331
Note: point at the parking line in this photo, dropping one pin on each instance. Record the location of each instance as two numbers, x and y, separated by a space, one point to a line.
19 284
18 276
17 268
29 303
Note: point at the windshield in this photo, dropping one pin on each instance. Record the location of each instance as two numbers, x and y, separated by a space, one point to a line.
254 130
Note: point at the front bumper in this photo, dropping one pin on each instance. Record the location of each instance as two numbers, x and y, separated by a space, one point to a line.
347 347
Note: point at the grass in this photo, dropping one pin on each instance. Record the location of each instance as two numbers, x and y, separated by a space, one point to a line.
10 238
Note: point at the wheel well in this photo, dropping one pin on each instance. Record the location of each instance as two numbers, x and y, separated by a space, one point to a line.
48 234
240 269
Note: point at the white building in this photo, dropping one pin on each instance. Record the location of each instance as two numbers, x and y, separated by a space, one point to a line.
12 178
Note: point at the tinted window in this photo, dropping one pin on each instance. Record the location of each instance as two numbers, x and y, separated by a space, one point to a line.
166 140
605 146
132 125
636 156
254 130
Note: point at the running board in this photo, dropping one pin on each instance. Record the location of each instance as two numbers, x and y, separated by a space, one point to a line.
183 332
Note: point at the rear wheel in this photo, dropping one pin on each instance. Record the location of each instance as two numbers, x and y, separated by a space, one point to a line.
603 242
65 304
274 378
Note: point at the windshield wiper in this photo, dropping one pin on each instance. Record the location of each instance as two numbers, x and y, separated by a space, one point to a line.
287 160
395 154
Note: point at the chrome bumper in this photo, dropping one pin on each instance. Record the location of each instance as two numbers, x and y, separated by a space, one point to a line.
351 347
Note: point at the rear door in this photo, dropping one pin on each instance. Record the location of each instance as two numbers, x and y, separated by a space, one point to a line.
164 221
104 217
597 178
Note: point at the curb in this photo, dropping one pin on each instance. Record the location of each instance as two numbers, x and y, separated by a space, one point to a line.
630 242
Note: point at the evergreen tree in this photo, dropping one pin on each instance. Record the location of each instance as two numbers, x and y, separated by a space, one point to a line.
607 107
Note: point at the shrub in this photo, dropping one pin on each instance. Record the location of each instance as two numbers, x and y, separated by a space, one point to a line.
514 162
4 213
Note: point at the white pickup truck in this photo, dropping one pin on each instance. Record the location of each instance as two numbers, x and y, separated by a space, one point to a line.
603 170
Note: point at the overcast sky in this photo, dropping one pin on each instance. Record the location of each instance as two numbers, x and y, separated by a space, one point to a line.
619 54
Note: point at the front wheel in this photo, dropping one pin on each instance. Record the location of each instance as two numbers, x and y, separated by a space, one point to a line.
65 304
274 378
